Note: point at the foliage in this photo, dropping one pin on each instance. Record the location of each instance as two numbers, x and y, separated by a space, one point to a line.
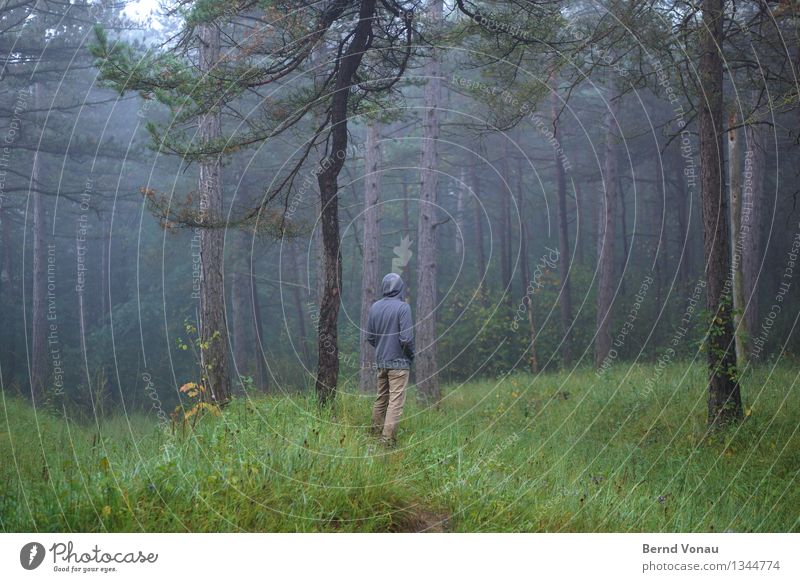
556 452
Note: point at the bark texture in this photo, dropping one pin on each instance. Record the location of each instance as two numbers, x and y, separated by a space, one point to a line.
213 328
426 362
607 234
8 353
528 286
262 378
565 293
479 253
752 217
370 275
724 398
458 238
347 67
299 283
735 185
39 362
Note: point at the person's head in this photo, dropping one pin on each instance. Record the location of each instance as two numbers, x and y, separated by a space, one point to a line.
393 286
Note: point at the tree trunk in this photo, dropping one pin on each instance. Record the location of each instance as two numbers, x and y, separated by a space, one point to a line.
582 238
244 336
607 234
7 303
242 344
565 293
299 282
623 214
735 185
426 364
408 274
213 328
459 234
752 212
262 372
505 232
347 67
372 238
39 356
724 398
684 238
105 266
528 286
480 256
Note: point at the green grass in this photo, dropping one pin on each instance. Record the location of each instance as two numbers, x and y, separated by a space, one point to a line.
555 453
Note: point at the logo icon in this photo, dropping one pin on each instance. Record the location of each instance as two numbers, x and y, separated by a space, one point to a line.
402 256
31 555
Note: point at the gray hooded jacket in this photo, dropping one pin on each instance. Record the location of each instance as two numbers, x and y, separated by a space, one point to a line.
389 326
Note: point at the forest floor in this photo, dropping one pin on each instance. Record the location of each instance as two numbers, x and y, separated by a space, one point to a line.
626 451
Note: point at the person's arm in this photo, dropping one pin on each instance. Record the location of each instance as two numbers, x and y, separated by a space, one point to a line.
407 331
372 339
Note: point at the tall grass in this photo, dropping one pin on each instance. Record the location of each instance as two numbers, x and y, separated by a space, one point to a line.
564 452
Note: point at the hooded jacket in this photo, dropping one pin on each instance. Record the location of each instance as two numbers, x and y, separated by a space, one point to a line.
390 329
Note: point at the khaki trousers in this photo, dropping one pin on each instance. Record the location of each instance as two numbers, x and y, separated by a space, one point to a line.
389 403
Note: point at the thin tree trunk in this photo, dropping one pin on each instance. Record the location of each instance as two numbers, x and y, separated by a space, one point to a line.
372 238
581 236
735 185
408 274
299 281
752 213
347 67
39 360
213 329
528 286
459 234
105 267
242 310
605 248
242 344
684 239
724 397
426 364
262 372
319 247
623 216
480 256
505 231
7 303
565 294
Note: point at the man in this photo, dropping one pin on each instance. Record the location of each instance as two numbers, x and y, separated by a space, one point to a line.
390 332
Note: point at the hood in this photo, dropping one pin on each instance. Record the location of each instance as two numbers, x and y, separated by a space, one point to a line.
393 286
